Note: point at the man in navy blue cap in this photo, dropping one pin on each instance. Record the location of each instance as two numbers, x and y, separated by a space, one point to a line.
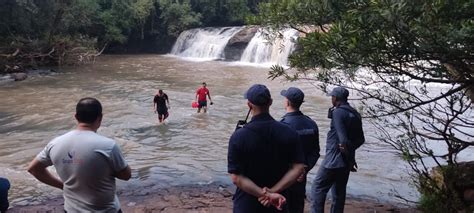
264 158
309 137
4 187
344 137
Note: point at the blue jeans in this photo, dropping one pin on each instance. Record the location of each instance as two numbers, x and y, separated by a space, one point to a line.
334 179
4 187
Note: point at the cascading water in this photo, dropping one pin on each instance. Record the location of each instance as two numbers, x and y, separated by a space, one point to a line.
204 43
261 50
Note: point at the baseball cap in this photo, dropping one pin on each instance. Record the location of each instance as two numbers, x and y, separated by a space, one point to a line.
293 94
258 94
339 92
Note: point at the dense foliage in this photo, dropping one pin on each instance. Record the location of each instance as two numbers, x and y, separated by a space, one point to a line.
410 66
37 27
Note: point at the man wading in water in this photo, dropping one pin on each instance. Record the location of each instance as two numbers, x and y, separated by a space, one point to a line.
159 105
201 98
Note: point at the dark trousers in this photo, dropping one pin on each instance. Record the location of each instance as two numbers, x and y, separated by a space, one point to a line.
334 179
296 195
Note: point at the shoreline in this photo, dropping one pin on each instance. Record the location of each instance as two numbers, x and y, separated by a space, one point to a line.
199 198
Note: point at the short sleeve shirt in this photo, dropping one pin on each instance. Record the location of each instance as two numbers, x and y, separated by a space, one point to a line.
262 151
308 132
202 93
86 162
160 100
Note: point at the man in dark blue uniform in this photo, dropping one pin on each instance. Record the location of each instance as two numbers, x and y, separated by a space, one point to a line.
309 136
344 137
264 158
4 187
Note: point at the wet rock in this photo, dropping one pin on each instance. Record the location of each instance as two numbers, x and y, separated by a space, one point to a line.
175 199
237 44
19 76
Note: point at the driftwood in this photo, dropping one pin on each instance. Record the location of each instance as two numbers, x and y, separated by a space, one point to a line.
30 54
11 55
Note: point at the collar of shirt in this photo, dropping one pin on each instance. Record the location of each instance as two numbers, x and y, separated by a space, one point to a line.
295 113
343 103
262 117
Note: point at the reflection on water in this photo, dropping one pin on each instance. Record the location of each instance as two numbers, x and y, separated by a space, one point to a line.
188 148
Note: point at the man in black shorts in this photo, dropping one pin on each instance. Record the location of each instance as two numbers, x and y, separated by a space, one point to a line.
201 97
161 104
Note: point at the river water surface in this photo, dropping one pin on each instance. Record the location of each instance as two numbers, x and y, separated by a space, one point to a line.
190 148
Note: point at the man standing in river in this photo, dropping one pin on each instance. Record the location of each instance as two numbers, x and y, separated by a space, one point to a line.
264 158
159 105
86 162
344 137
201 97
309 136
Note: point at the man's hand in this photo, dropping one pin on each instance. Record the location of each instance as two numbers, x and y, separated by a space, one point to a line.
302 177
343 148
272 199
354 167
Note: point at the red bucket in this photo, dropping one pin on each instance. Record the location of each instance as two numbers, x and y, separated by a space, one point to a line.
195 104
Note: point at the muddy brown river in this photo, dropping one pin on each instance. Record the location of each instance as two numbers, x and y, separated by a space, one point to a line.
190 148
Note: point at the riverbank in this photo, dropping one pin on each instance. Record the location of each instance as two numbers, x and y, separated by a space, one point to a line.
196 198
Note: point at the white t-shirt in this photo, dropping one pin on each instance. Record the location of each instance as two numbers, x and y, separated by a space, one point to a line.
86 162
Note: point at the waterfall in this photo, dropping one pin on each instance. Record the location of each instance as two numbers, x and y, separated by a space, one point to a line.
204 43
262 50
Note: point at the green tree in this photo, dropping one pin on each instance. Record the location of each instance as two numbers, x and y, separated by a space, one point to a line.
142 9
178 16
410 64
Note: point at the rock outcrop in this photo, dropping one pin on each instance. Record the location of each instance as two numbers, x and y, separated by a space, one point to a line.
19 76
237 44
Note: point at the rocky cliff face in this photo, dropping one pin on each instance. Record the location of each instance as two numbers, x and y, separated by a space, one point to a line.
236 45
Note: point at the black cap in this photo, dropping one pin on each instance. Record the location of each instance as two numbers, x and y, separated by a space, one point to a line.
339 92
258 94
293 94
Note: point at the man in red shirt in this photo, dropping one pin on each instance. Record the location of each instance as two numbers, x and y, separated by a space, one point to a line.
201 98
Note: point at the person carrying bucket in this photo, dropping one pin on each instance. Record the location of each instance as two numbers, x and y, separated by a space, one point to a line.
201 97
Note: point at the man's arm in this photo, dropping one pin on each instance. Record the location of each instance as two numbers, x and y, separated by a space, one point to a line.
265 196
342 135
247 185
124 174
168 101
313 155
341 130
209 95
40 172
197 95
289 178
